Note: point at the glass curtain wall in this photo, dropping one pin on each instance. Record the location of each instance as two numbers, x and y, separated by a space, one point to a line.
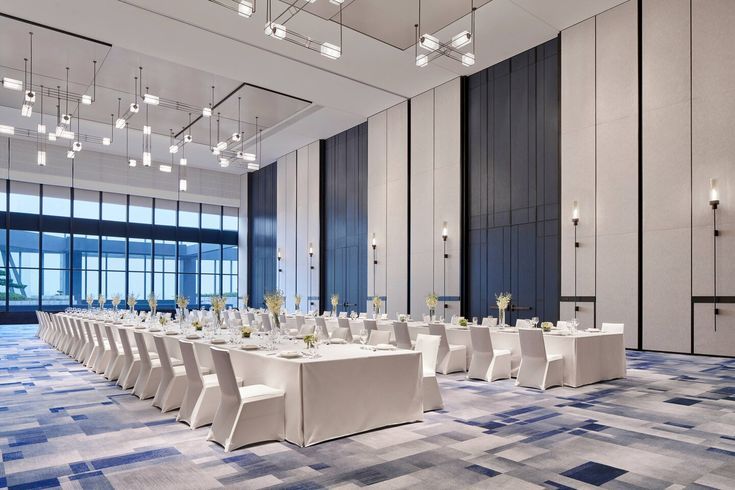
58 245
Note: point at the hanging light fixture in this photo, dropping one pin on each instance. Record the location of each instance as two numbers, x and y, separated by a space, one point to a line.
243 8
252 165
30 96
436 48
40 140
131 161
276 29
12 84
133 108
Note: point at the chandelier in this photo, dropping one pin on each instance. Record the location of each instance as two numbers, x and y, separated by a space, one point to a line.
436 48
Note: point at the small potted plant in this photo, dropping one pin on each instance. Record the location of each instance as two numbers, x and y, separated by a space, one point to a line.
310 341
462 322
197 325
245 332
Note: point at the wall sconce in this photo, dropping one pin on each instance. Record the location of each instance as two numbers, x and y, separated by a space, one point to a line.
278 280
311 268
445 234
575 222
374 244
714 202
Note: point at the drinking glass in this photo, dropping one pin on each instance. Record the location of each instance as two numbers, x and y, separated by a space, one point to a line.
575 324
534 321
363 336
474 320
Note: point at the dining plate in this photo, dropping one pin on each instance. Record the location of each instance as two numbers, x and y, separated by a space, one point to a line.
289 354
154 330
171 332
385 347
338 341
594 330
218 341
250 347
140 326
193 336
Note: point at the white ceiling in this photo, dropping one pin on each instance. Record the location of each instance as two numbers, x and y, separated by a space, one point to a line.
205 44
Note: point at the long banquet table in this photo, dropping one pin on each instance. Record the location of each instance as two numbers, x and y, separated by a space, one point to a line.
345 391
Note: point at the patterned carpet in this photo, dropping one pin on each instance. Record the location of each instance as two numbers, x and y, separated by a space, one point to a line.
670 424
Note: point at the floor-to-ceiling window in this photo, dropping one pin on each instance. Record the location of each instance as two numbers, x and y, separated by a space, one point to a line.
59 245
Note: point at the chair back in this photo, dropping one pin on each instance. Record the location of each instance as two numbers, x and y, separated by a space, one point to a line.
111 339
522 323
125 341
88 329
613 327
428 345
379 337
283 318
225 374
563 324
300 322
98 335
321 327
163 353
403 338
489 321
290 323
250 318
343 333
191 363
306 329
370 325
343 323
532 343
265 321
440 330
145 358
480 338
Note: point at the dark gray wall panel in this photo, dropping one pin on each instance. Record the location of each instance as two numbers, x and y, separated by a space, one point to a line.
262 232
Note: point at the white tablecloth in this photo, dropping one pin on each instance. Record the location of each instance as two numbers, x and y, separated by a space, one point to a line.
346 391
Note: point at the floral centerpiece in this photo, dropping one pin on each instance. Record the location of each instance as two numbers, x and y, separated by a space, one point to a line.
132 300
297 302
197 325
90 301
218 306
182 302
163 321
274 303
335 302
546 326
310 340
502 301
101 300
153 302
245 332
432 300
115 301
402 318
377 305
462 322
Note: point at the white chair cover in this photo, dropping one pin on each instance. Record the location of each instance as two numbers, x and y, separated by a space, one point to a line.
451 358
428 345
379 337
402 335
487 363
537 369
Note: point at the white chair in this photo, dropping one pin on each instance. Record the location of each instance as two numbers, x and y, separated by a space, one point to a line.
202 395
131 364
103 356
306 330
370 325
379 337
171 389
149 376
451 358
489 321
402 336
265 322
521 323
246 414
344 331
613 327
538 369
250 318
428 345
117 358
321 327
487 363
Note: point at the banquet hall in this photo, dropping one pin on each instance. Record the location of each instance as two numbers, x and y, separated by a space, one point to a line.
423 244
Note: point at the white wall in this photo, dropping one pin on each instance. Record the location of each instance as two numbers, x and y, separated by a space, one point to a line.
600 168
435 195
388 208
298 223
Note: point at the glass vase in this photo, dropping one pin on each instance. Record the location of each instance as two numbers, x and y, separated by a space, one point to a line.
501 317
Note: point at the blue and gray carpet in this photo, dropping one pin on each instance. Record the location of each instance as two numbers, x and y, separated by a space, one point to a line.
670 424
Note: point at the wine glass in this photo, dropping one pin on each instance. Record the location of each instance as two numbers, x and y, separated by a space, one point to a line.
575 325
364 336
474 320
534 321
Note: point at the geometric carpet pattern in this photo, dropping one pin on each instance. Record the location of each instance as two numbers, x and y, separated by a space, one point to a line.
669 424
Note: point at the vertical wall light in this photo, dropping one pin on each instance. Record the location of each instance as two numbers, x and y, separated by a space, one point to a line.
374 244
575 222
278 281
445 235
311 268
714 202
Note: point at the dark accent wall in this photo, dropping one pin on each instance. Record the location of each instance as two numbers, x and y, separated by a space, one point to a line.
513 191
343 173
262 228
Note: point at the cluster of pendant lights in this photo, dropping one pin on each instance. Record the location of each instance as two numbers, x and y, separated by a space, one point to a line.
224 150
275 26
435 48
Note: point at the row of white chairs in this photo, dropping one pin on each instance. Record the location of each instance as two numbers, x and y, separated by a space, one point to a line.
239 414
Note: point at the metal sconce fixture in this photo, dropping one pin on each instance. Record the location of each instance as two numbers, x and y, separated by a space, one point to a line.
445 234
278 256
714 202
374 244
575 222
311 268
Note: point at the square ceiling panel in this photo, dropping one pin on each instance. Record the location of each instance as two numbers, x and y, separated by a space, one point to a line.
392 21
